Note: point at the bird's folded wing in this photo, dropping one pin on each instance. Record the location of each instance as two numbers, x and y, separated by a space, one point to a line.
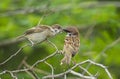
37 29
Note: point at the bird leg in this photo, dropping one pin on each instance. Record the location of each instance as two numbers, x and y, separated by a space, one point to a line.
61 52
74 62
66 59
32 43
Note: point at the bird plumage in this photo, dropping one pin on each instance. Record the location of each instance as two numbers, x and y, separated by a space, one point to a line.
71 45
41 33
37 29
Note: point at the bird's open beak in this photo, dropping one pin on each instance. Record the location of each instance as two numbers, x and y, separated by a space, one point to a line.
65 30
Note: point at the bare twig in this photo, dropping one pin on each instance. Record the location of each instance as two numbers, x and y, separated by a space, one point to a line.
80 75
40 20
85 70
43 16
10 72
26 69
22 62
102 66
104 50
12 75
65 76
32 74
68 71
9 58
53 45
39 61
51 68
35 69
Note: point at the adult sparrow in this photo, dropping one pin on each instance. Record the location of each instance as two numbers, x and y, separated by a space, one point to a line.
71 45
42 32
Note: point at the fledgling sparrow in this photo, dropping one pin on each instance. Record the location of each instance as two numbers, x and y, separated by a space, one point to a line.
41 33
71 45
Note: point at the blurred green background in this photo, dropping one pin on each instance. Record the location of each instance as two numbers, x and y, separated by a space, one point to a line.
98 22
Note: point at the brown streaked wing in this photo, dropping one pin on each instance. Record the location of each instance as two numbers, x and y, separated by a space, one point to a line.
36 29
75 45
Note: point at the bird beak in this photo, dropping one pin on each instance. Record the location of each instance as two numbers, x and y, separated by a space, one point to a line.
65 30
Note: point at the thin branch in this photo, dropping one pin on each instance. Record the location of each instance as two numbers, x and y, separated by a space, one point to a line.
104 50
65 76
10 72
80 75
44 15
85 70
26 69
35 69
66 72
102 66
22 62
12 75
51 68
9 58
32 74
39 61
86 61
53 45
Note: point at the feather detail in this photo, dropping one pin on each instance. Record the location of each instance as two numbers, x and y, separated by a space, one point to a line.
37 29
71 46
66 59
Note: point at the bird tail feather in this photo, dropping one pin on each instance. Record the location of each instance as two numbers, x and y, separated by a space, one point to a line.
66 59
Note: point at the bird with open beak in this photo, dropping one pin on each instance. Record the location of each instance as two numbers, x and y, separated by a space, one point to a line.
41 33
71 45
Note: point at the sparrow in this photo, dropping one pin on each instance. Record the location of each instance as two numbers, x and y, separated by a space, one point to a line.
41 33
71 45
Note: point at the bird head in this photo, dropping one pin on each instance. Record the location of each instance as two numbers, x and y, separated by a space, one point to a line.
56 28
71 31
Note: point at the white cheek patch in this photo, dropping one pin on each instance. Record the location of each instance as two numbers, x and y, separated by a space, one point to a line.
52 29
58 31
55 31
68 35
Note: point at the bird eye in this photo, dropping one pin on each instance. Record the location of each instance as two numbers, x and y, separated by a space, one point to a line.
70 34
56 30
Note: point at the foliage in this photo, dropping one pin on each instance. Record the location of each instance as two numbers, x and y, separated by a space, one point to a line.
19 15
